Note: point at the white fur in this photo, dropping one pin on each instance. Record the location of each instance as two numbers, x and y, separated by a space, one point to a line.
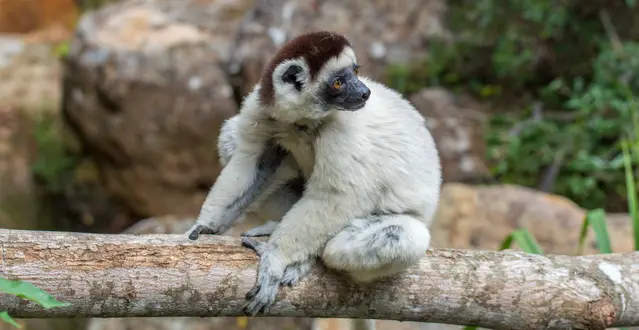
377 160
276 199
293 106
372 177
345 59
288 97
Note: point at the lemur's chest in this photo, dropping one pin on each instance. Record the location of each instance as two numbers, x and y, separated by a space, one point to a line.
299 142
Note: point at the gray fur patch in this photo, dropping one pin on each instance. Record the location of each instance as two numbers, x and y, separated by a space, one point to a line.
392 232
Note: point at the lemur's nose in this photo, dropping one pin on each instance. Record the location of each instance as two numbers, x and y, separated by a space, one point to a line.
366 94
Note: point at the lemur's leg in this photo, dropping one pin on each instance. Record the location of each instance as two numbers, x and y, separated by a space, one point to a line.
377 246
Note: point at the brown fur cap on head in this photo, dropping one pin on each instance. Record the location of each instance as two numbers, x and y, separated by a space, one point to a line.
316 48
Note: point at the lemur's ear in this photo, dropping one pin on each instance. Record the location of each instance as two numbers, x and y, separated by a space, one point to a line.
290 76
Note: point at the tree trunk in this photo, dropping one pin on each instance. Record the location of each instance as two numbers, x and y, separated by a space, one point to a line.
167 275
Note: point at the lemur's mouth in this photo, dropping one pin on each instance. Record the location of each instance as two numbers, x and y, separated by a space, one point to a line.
353 107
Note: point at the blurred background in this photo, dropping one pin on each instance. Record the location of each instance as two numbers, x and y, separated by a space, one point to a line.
110 111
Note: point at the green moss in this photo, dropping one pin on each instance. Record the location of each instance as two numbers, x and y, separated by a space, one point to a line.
54 163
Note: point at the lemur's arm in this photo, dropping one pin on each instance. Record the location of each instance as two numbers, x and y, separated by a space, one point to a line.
336 193
238 185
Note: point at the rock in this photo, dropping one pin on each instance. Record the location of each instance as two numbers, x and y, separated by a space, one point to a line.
16 183
382 32
146 85
457 125
30 77
30 74
144 91
482 217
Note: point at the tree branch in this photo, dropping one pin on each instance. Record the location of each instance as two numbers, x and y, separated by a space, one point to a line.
167 275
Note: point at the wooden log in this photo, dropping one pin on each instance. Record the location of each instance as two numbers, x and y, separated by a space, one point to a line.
167 275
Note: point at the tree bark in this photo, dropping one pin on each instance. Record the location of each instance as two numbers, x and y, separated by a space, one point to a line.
167 275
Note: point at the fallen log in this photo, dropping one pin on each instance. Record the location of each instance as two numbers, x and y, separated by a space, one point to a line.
103 275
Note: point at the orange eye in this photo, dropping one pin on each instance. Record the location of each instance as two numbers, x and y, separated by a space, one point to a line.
356 70
337 84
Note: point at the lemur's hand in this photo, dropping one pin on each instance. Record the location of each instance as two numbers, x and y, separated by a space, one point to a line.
269 274
198 229
272 272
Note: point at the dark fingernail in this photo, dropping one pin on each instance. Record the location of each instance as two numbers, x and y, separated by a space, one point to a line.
247 242
195 233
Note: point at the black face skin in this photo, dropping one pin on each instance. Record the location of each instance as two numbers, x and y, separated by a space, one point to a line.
345 91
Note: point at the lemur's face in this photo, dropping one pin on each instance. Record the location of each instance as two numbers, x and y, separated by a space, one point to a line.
344 90
312 75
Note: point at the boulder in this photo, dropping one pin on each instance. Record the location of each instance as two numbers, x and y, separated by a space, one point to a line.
30 74
457 124
148 83
145 92
17 192
481 217
382 32
29 90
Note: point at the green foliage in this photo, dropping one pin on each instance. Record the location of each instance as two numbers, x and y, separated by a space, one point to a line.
596 219
28 291
632 191
7 318
53 164
589 144
524 239
61 49
89 5
575 76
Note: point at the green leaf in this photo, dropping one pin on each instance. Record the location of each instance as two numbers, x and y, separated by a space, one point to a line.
582 236
29 291
597 220
632 193
5 317
524 239
507 243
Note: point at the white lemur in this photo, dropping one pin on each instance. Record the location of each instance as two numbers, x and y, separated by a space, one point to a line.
345 166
